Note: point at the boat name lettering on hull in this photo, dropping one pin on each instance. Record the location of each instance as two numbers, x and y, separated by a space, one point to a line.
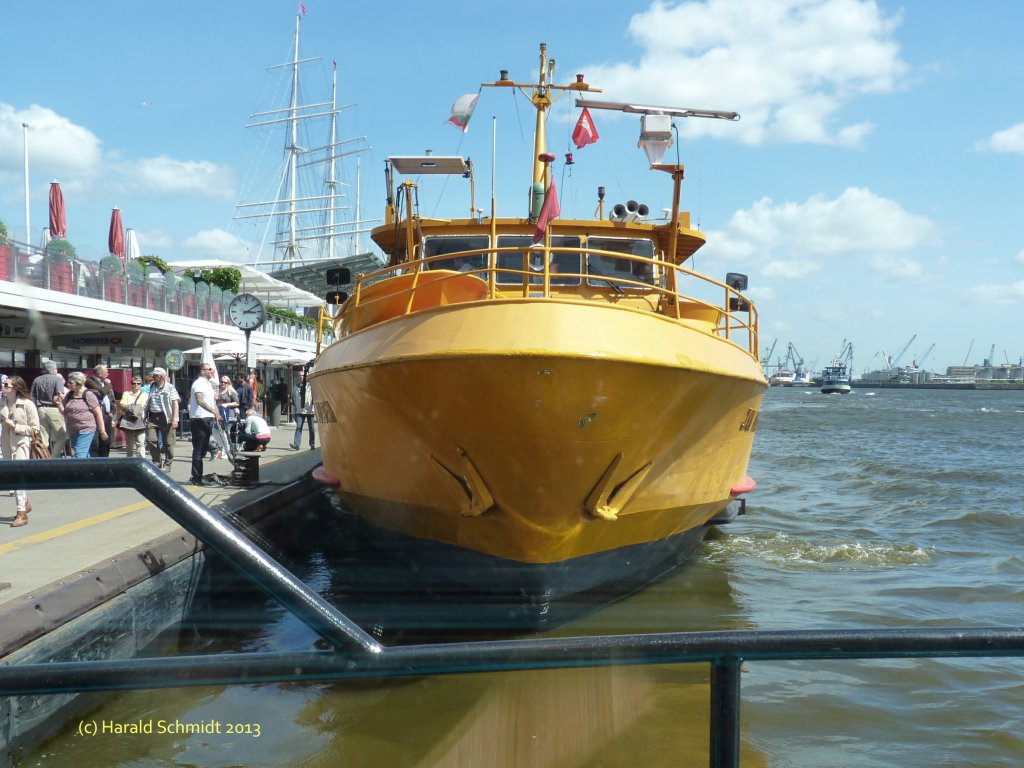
324 412
750 422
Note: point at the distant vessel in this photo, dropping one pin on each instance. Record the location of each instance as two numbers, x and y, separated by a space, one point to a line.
835 379
532 400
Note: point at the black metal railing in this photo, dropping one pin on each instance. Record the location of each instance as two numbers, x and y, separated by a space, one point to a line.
359 656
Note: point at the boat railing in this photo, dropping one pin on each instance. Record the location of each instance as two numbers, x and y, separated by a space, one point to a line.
358 656
721 310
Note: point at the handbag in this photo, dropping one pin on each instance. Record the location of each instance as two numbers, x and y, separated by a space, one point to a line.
38 449
134 416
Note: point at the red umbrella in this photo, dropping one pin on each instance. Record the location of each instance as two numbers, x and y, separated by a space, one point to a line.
116 238
58 221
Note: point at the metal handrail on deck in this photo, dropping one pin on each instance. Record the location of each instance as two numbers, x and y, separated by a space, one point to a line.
358 656
669 300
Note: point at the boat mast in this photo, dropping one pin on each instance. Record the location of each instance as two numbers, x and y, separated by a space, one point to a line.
292 248
540 95
331 181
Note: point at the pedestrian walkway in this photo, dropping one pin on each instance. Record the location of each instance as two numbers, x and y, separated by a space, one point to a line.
74 530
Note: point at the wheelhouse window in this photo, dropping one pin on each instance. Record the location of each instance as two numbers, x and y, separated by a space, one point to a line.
569 264
441 246
620 263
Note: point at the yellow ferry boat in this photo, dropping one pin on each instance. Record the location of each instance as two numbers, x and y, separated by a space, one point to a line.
540 404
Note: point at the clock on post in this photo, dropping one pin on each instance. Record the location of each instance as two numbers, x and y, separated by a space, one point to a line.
248 313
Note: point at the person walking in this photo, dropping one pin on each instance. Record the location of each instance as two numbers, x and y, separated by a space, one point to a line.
21 420
131 418
202 415
302 410
51 423
99 384
161 419
83 415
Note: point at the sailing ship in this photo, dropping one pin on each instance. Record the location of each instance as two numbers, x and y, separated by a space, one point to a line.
540 405
300 225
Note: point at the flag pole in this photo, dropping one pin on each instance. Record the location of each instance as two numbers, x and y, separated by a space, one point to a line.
491 277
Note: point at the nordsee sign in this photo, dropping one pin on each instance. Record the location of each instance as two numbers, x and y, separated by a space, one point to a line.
95 341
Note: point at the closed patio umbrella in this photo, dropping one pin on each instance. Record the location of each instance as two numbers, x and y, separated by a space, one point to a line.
115 240
58 217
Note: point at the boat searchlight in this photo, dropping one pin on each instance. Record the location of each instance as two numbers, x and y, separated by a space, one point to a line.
656 123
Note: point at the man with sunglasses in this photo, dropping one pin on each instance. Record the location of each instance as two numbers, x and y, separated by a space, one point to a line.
203 414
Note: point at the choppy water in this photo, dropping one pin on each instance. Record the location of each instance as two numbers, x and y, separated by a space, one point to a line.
898 508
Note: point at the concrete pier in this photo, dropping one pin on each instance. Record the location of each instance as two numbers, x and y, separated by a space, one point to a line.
100 573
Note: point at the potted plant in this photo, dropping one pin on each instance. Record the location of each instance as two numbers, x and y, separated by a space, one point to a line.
137 275
171 286
58 255
112 276
6 273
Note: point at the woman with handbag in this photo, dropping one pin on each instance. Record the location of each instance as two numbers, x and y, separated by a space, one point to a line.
21 421
83 414
131 418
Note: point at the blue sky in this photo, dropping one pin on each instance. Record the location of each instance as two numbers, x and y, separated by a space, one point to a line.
871 189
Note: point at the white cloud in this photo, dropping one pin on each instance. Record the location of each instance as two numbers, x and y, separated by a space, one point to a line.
988 293
218 244
165 174
1008 140
153 241
57 147
900 268
788 66
1020 258
790 269
792 240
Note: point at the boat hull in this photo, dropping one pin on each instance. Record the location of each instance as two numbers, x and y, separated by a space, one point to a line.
838 388
538 433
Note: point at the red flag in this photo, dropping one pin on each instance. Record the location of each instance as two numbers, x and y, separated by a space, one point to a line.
302 9
548 211
585 131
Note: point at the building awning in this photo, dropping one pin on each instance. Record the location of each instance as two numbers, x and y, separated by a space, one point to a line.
269 289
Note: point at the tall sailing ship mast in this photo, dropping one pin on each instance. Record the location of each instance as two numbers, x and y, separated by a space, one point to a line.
307 221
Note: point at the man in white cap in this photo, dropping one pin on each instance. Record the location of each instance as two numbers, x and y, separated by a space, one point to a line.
162 419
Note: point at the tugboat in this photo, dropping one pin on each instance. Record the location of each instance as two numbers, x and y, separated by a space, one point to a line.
540 406
835 378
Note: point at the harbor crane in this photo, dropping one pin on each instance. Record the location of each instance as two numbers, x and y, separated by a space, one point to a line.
766 360
896 360
924 357
795 358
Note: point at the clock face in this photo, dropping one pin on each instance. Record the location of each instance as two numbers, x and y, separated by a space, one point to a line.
246 311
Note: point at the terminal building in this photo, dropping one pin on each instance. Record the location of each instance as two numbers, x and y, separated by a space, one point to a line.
81 313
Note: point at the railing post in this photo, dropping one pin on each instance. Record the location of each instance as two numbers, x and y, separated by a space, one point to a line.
725 713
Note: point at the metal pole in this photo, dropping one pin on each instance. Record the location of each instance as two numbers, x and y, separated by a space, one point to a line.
207 526
28 223
725 713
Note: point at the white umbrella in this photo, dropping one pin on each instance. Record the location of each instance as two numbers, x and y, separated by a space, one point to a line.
131 244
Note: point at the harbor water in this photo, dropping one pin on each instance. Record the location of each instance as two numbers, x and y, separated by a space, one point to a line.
895 508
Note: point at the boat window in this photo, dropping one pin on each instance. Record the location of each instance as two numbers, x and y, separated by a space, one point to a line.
620 266
439 246
561 263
